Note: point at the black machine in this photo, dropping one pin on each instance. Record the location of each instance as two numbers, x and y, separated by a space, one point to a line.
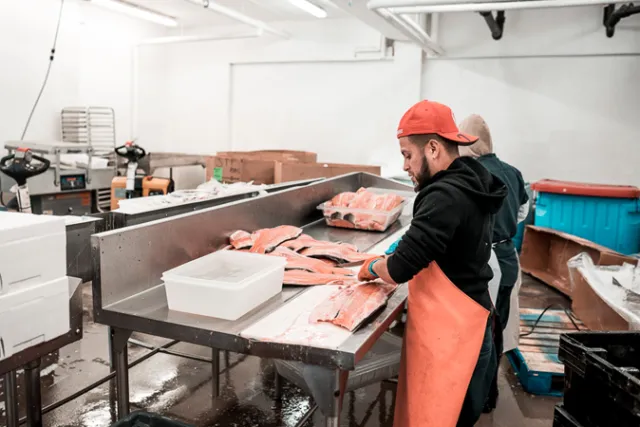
20 166
136 186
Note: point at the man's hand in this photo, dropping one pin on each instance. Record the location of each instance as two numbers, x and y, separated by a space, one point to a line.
366 272
375 268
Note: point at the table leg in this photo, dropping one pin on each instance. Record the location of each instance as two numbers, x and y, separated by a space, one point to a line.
277 385
333 419
215 372
327 388
227 359
11 399
112 384
333 415
33 392
119 358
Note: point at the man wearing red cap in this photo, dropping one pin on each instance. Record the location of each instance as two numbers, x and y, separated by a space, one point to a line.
449 358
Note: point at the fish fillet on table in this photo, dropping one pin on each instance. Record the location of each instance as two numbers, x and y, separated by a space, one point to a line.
305 278
241 239
350 306
339 253
267 239
295 261
305 241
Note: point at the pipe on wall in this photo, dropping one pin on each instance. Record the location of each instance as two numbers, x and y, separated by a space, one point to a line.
411 30
402 7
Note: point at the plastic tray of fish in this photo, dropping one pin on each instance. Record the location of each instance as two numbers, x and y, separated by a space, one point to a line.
360 219
224 284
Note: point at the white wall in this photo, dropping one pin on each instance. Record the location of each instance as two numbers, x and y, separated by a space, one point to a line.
560 97
92 65
308 93
562 100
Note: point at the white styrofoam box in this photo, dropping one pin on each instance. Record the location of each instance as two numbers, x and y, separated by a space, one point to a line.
32 249
224 284
33 315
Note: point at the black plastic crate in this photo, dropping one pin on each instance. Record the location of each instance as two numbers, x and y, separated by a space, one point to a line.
562 418
602 379
145 419
621 349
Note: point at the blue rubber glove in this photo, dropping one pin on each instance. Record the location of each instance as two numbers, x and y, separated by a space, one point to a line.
393 247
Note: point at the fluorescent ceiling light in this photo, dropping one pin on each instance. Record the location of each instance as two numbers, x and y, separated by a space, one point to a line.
240 17
137 12
309 7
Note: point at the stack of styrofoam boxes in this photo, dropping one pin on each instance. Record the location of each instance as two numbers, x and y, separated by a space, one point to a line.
34 288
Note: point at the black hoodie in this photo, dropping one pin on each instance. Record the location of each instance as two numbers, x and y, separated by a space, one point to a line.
452 225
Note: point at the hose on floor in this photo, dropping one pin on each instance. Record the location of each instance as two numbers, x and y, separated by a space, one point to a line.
569 314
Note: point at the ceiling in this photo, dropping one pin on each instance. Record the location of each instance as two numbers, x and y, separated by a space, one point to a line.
192 15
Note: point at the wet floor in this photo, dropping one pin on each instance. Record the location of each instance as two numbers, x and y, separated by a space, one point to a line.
181 388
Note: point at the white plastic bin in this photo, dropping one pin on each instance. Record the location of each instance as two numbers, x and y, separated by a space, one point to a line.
33 250
360 219
33 315
224 284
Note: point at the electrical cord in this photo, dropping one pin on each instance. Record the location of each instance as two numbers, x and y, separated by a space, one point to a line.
46 76
569 314
42 88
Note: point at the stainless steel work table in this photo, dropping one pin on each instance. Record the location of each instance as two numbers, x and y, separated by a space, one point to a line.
129 295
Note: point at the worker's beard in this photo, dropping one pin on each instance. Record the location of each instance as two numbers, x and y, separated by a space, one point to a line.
423 176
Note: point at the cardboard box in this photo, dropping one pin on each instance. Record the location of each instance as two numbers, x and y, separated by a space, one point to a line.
545 253
595 313
275 155
230 169
257 166
275 166
285 172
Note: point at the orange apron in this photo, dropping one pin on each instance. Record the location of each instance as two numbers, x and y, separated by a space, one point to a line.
443 336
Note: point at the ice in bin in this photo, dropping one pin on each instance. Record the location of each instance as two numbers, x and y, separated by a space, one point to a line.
224 284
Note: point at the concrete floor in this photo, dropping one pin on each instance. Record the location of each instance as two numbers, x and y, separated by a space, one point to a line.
181 388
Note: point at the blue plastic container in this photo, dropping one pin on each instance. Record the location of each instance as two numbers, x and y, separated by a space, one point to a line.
606 215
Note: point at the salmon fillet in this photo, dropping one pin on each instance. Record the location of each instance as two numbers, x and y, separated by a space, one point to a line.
350 306
305 278
302 242
305 241
342 200
390 202
336 252
295 261
364 200
267 239
241 240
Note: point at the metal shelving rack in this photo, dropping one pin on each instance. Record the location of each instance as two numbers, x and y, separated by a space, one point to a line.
95 126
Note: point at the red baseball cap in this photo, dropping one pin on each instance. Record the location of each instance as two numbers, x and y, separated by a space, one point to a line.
432 117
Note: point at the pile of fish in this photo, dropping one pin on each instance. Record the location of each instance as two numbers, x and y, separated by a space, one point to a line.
348 307
314 262
309 261
362 210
